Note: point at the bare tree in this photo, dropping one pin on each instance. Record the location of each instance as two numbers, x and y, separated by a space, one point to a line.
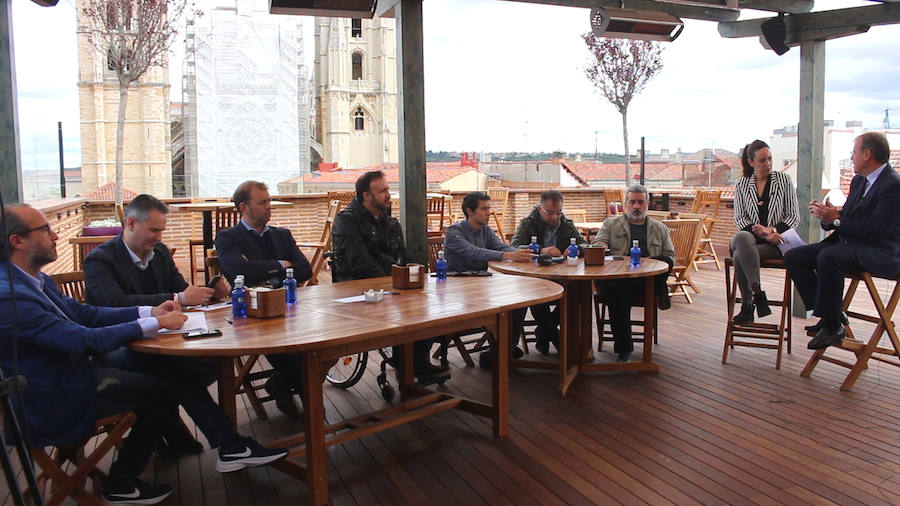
135 35
620 69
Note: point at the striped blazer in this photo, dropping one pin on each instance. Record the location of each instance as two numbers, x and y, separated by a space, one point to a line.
783 209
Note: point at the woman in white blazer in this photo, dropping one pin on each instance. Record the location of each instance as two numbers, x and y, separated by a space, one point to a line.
765 206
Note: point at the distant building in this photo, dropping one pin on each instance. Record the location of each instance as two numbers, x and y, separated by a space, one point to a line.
246 98
147 163
837 168
356 91
453 176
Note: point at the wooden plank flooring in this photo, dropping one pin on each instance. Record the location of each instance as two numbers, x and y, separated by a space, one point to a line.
699 432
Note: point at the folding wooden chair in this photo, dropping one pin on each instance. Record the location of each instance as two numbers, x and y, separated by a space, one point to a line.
614 198
434 212
685 236
222 218
864 350
343 198
706 202
83 245
499 196
322 246
601 299
761 333
120 213
576 215
71 284
52 461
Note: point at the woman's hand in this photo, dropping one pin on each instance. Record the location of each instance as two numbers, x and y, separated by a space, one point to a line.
760 231
774 238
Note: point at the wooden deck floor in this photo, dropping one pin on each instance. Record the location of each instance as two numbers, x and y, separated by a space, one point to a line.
699 432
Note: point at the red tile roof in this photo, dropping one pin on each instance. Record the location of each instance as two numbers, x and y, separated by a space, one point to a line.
593 171
108 192
435 173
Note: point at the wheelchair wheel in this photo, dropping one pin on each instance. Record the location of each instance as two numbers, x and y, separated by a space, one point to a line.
348 370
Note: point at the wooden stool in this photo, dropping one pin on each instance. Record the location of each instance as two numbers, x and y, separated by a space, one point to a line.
864 350
761 332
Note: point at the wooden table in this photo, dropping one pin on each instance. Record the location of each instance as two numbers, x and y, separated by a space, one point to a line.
320 331
588 228
576 323
207 209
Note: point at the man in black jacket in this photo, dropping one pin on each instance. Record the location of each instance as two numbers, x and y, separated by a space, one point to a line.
554 233
367 240
866 237
135 268
262 253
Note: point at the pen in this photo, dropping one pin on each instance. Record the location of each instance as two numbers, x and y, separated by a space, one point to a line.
229 320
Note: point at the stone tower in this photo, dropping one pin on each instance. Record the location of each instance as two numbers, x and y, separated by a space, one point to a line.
147 157
356 91
245 98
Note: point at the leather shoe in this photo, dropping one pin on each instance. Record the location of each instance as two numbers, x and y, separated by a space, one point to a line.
663 302
542 345
625 356
826 337
812 330
745 316
429 369
284 398
762 304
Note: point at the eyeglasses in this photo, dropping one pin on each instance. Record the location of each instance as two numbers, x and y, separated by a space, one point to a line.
552 213
45 227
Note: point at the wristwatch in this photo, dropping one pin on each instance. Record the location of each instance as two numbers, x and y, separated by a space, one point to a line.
836 223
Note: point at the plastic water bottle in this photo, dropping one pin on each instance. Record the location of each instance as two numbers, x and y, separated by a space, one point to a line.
572 252
635 254
440 266
239 298
290 286
534 248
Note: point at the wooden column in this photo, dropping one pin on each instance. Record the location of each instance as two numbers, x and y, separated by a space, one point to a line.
810 144
411 105
10 157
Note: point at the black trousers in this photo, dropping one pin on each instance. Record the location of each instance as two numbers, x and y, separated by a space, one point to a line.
618 296
818 272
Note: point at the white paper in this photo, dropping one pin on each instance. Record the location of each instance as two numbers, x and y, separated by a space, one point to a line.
355 298
790 240
196 321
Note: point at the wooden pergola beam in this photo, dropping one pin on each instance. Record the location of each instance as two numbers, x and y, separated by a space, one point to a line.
707 11
791 6
826 22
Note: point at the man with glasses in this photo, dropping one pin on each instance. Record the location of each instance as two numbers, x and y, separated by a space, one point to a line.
653 238
866 237
554 233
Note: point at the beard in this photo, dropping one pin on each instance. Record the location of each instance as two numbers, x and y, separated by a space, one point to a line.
638 215
382 207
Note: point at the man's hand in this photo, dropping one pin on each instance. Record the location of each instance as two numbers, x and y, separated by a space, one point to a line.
519 255
194 295
172 320
166 307
222 289
824 211
552 251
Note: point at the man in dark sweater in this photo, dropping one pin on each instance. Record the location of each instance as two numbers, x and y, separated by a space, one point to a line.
262 253
554 233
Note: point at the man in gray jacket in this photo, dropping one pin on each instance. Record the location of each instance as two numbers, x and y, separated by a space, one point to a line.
653 238
470 244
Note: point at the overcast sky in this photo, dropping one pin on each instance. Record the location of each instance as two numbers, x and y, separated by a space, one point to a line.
508 76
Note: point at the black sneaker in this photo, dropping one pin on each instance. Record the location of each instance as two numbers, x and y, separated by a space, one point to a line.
245 452
136 492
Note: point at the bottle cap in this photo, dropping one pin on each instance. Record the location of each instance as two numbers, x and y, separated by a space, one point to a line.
289 271
572 241
441 254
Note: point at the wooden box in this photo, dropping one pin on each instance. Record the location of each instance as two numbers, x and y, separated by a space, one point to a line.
408 276
594 255
266 302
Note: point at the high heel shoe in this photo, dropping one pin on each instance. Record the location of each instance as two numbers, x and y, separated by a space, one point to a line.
762 304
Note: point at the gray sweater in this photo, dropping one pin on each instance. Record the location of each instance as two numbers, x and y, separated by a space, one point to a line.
468 250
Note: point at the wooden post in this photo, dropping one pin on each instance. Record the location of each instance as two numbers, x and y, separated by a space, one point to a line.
810 144
10 156
411 104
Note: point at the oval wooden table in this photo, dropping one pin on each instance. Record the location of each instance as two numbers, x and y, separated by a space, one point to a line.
576 329
321 330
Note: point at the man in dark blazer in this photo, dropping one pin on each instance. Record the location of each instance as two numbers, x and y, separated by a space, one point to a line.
865 237
135 268
262 253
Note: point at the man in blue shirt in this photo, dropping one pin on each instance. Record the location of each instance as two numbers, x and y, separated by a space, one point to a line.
470 244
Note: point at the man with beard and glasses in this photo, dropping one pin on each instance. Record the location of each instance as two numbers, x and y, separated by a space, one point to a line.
367 240
617 235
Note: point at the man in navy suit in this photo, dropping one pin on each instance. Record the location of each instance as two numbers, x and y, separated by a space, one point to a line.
866 237
262 253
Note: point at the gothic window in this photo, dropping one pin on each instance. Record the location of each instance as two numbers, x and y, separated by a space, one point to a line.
357 63
356 28
359 120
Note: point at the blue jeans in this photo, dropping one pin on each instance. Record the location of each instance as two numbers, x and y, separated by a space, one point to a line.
185 380
120 391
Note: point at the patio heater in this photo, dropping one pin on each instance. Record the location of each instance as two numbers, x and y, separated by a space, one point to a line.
633 24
